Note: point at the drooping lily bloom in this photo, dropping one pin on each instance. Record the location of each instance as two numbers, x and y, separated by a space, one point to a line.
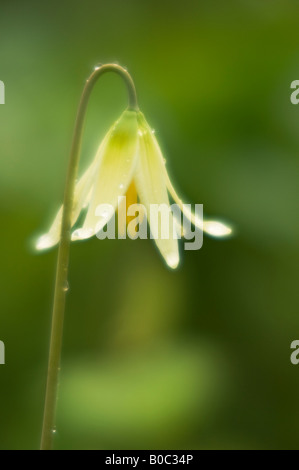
128 163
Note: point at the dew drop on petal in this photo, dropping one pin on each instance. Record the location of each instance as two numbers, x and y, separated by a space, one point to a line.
103 213
121 186
153 131
140 132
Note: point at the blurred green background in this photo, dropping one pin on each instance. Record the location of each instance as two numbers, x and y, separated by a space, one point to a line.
198 358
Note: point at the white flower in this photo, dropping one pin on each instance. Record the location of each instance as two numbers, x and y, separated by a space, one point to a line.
128 163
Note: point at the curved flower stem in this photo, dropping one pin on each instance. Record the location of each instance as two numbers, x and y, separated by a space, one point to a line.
61 285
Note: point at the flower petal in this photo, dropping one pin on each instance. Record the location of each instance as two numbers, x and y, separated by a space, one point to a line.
82 195
114 174
213 228
151 188
216 228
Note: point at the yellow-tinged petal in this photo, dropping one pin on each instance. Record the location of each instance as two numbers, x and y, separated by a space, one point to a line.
151 188
114 174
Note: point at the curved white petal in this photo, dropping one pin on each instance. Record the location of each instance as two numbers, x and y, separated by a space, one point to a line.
151 188
82 195
114 173
213 228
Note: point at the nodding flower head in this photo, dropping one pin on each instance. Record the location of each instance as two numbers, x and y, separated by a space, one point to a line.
128 163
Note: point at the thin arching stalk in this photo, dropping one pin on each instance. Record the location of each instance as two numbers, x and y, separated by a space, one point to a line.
61 285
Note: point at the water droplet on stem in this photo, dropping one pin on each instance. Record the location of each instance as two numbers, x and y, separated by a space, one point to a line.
66 286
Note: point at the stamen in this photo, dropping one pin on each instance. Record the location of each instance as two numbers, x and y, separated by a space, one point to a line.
131 198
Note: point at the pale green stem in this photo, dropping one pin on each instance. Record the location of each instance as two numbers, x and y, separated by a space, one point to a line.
61 285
